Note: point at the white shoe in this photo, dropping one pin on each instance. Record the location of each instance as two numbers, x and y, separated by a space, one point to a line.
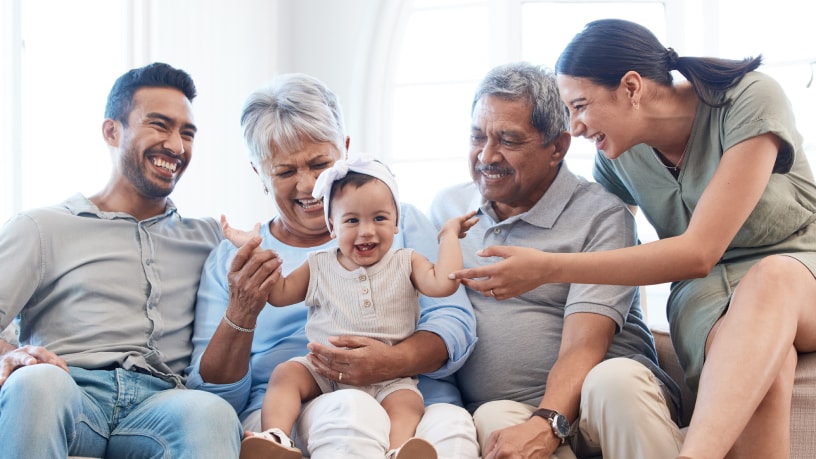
413 448
270 444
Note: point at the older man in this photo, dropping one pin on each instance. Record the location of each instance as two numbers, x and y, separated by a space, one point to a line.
565 369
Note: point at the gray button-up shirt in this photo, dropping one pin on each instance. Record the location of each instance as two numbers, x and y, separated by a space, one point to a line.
101 289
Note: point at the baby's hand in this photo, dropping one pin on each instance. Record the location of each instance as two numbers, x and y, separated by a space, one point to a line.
236 236
459 225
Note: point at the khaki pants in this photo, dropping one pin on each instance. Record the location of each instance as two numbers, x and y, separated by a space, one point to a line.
623 413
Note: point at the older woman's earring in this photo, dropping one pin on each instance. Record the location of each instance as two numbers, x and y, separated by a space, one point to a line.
636 104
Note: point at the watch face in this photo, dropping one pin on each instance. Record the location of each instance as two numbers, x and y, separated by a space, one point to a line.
561 426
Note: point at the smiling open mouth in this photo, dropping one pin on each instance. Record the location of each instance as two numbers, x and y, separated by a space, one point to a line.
166 165
309 203
365 247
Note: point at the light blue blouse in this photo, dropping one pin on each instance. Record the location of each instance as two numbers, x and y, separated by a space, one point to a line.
280 334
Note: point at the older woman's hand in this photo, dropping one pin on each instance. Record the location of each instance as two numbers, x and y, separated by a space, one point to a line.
361 360
521 270
252 274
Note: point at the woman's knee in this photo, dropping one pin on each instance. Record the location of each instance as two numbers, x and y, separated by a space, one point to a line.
768 274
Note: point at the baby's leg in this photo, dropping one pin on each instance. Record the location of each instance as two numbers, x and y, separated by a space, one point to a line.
405 408
290 385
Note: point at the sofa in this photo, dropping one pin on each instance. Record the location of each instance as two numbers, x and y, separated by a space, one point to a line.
803 410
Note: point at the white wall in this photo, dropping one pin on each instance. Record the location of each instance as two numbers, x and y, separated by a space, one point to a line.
231 48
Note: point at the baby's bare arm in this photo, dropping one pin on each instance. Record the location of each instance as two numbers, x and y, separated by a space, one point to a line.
286 290
432 280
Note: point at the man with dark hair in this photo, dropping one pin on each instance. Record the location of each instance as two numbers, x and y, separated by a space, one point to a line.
103 291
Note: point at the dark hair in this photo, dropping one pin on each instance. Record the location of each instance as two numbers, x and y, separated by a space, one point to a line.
608 48
356 179
155 75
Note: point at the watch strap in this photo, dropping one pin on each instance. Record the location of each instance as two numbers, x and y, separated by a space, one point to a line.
550 416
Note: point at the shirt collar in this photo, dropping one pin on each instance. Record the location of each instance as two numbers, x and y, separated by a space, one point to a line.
547 210
78 204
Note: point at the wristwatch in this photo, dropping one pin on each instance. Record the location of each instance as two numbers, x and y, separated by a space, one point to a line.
558 422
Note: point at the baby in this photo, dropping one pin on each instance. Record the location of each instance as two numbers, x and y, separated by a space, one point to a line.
361 288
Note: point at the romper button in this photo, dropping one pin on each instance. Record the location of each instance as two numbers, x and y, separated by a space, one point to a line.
362 277
367 303
365 290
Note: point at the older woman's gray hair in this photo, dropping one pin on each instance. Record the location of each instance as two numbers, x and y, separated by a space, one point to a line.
292 108
535 84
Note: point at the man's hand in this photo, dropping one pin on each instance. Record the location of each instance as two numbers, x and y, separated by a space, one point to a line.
529 440
362 360
27 355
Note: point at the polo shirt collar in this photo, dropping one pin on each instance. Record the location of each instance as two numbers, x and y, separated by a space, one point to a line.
547 210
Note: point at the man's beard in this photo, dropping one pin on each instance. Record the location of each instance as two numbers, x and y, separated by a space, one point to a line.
134 169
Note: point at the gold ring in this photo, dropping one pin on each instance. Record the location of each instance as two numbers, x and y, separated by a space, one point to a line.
340 377
492 294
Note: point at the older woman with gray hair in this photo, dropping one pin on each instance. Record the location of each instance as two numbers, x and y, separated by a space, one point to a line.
294 130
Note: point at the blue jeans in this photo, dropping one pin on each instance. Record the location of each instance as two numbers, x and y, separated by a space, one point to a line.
48 413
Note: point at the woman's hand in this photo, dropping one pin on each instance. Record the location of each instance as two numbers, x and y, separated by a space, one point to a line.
361 360
251 277
522 270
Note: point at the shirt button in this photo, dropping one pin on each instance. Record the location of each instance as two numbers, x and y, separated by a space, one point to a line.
367 303
496 230
365 290
148 261
362 277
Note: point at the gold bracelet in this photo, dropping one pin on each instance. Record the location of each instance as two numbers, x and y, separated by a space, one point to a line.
236 326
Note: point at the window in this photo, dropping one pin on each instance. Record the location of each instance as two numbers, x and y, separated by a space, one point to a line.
56 143
448 45
433 91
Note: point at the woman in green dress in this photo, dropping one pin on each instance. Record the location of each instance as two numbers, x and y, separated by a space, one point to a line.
717 166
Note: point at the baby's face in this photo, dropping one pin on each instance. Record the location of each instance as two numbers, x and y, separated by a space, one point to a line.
364 221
